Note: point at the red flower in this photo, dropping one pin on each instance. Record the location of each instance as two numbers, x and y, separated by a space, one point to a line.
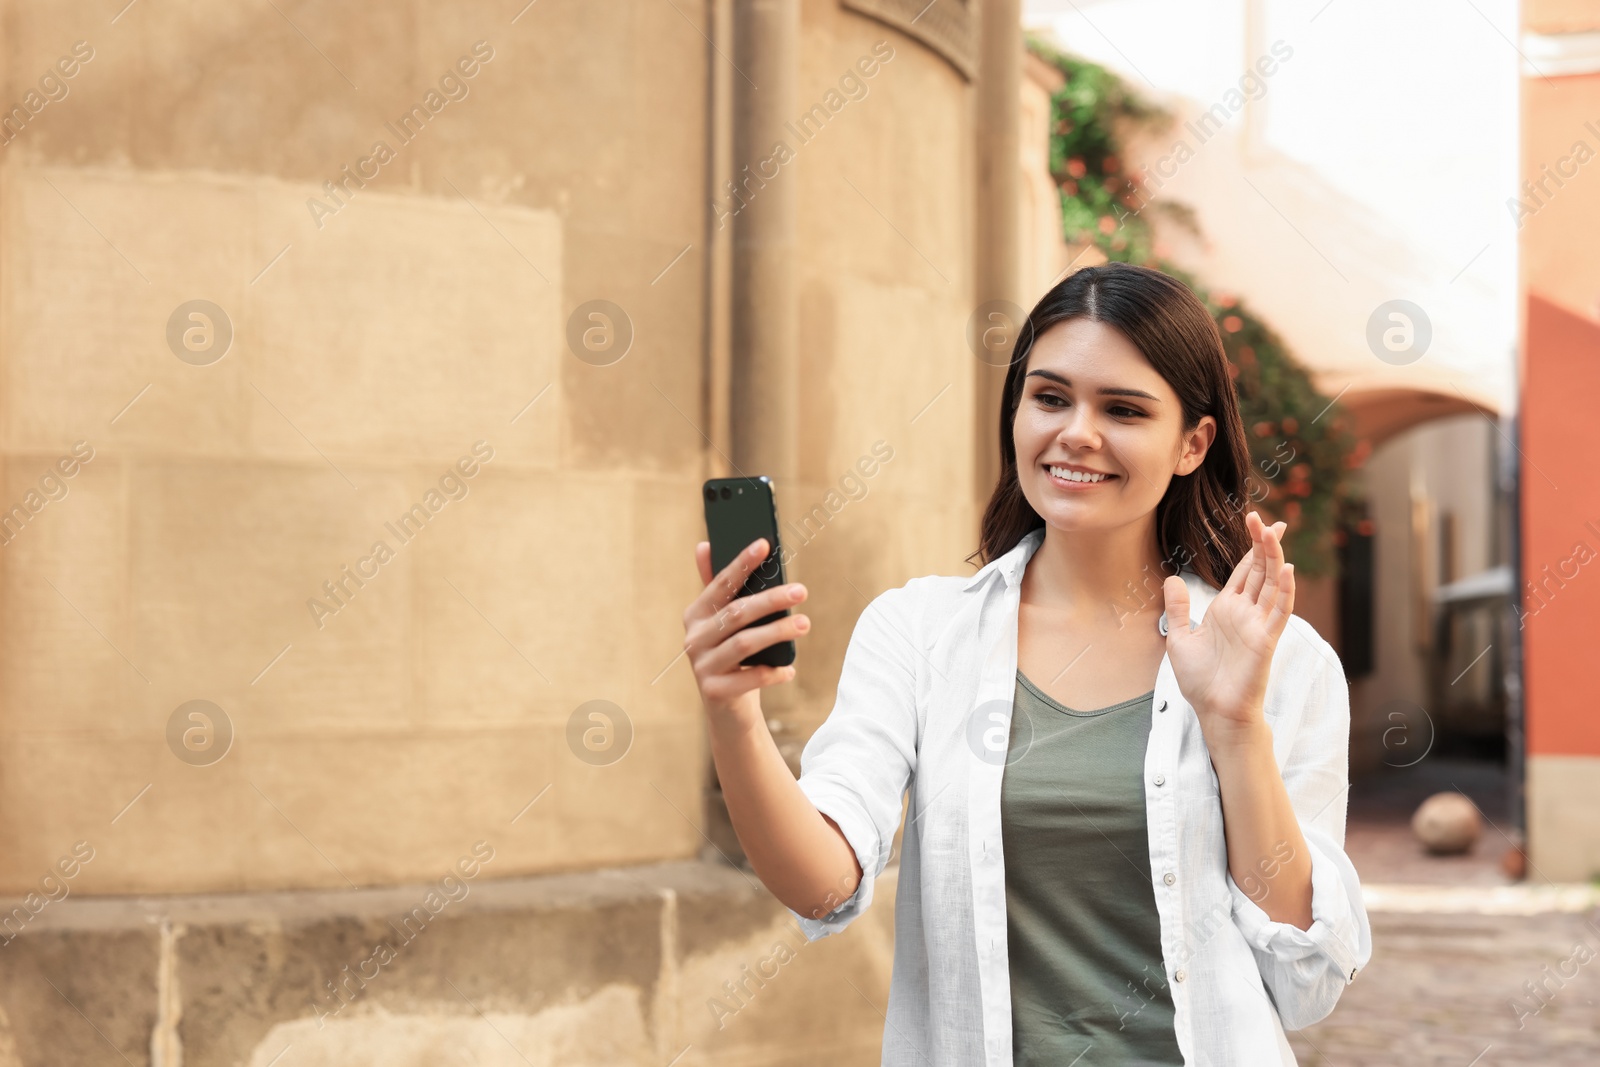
1226 300
1076 167
1263 429
1233 324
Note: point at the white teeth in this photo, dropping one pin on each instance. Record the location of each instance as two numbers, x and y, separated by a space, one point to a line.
1076 476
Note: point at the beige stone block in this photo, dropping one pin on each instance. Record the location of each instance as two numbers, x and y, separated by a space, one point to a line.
608 967
908 219
644 808
894 354
316 77
133 248
409 327
522 604
646 411
405 327
223 562
267 91
1563 832
336 808
96 110
104 1002
67 788
66 659
635 166
668 520
742 999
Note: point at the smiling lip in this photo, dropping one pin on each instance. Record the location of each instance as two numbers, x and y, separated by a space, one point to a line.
1094 477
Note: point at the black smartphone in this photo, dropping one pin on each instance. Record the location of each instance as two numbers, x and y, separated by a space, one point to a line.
738 512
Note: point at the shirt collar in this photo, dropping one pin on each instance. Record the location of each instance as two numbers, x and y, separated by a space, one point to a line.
1010 566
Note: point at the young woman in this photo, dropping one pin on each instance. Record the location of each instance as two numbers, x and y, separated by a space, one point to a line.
1125 837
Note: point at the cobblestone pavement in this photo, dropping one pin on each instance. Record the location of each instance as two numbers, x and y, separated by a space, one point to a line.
1446 983
1442 989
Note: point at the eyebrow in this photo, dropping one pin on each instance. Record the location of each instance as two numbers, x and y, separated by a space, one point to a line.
1054 377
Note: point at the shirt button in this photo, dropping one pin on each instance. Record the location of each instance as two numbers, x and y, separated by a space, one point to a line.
1178 976
1161 779
1163 706
1169 878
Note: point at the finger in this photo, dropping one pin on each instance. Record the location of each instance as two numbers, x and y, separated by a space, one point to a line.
702 561
1258 567
1283 603
1271 573
729 654
1280 528
743 610
1175 594
1273 557
1235 582
726 654
726 585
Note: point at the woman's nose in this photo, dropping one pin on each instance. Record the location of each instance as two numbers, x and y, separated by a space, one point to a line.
1080 429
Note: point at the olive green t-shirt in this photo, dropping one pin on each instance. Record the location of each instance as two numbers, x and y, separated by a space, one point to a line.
1083 933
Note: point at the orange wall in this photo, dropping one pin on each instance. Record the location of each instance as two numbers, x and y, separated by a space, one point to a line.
1560 282
1561 528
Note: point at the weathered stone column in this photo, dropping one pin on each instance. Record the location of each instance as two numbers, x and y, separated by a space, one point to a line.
998 258
765 326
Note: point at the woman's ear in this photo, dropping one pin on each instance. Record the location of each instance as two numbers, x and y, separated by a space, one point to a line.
1196 443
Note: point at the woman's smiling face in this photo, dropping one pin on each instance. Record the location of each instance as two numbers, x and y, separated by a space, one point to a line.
1095 410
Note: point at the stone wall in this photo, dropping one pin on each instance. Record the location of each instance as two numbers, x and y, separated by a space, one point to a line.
683 963
361 337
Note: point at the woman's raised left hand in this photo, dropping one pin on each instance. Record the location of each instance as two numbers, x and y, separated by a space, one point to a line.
1222 665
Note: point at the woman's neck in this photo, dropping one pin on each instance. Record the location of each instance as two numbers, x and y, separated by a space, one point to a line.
1090 573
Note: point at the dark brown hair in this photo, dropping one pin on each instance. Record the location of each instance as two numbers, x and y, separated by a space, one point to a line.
1200 519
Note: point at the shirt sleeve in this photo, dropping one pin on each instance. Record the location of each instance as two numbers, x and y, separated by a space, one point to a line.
856 766
1305 971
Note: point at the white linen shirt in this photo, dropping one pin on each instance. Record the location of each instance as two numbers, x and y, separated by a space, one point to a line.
925 700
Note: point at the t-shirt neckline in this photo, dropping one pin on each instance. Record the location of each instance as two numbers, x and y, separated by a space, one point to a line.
1058 706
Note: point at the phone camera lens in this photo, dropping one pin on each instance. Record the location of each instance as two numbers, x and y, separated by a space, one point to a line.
726 493
711 494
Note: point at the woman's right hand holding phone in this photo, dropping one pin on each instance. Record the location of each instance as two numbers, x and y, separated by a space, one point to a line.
717 644
800 854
